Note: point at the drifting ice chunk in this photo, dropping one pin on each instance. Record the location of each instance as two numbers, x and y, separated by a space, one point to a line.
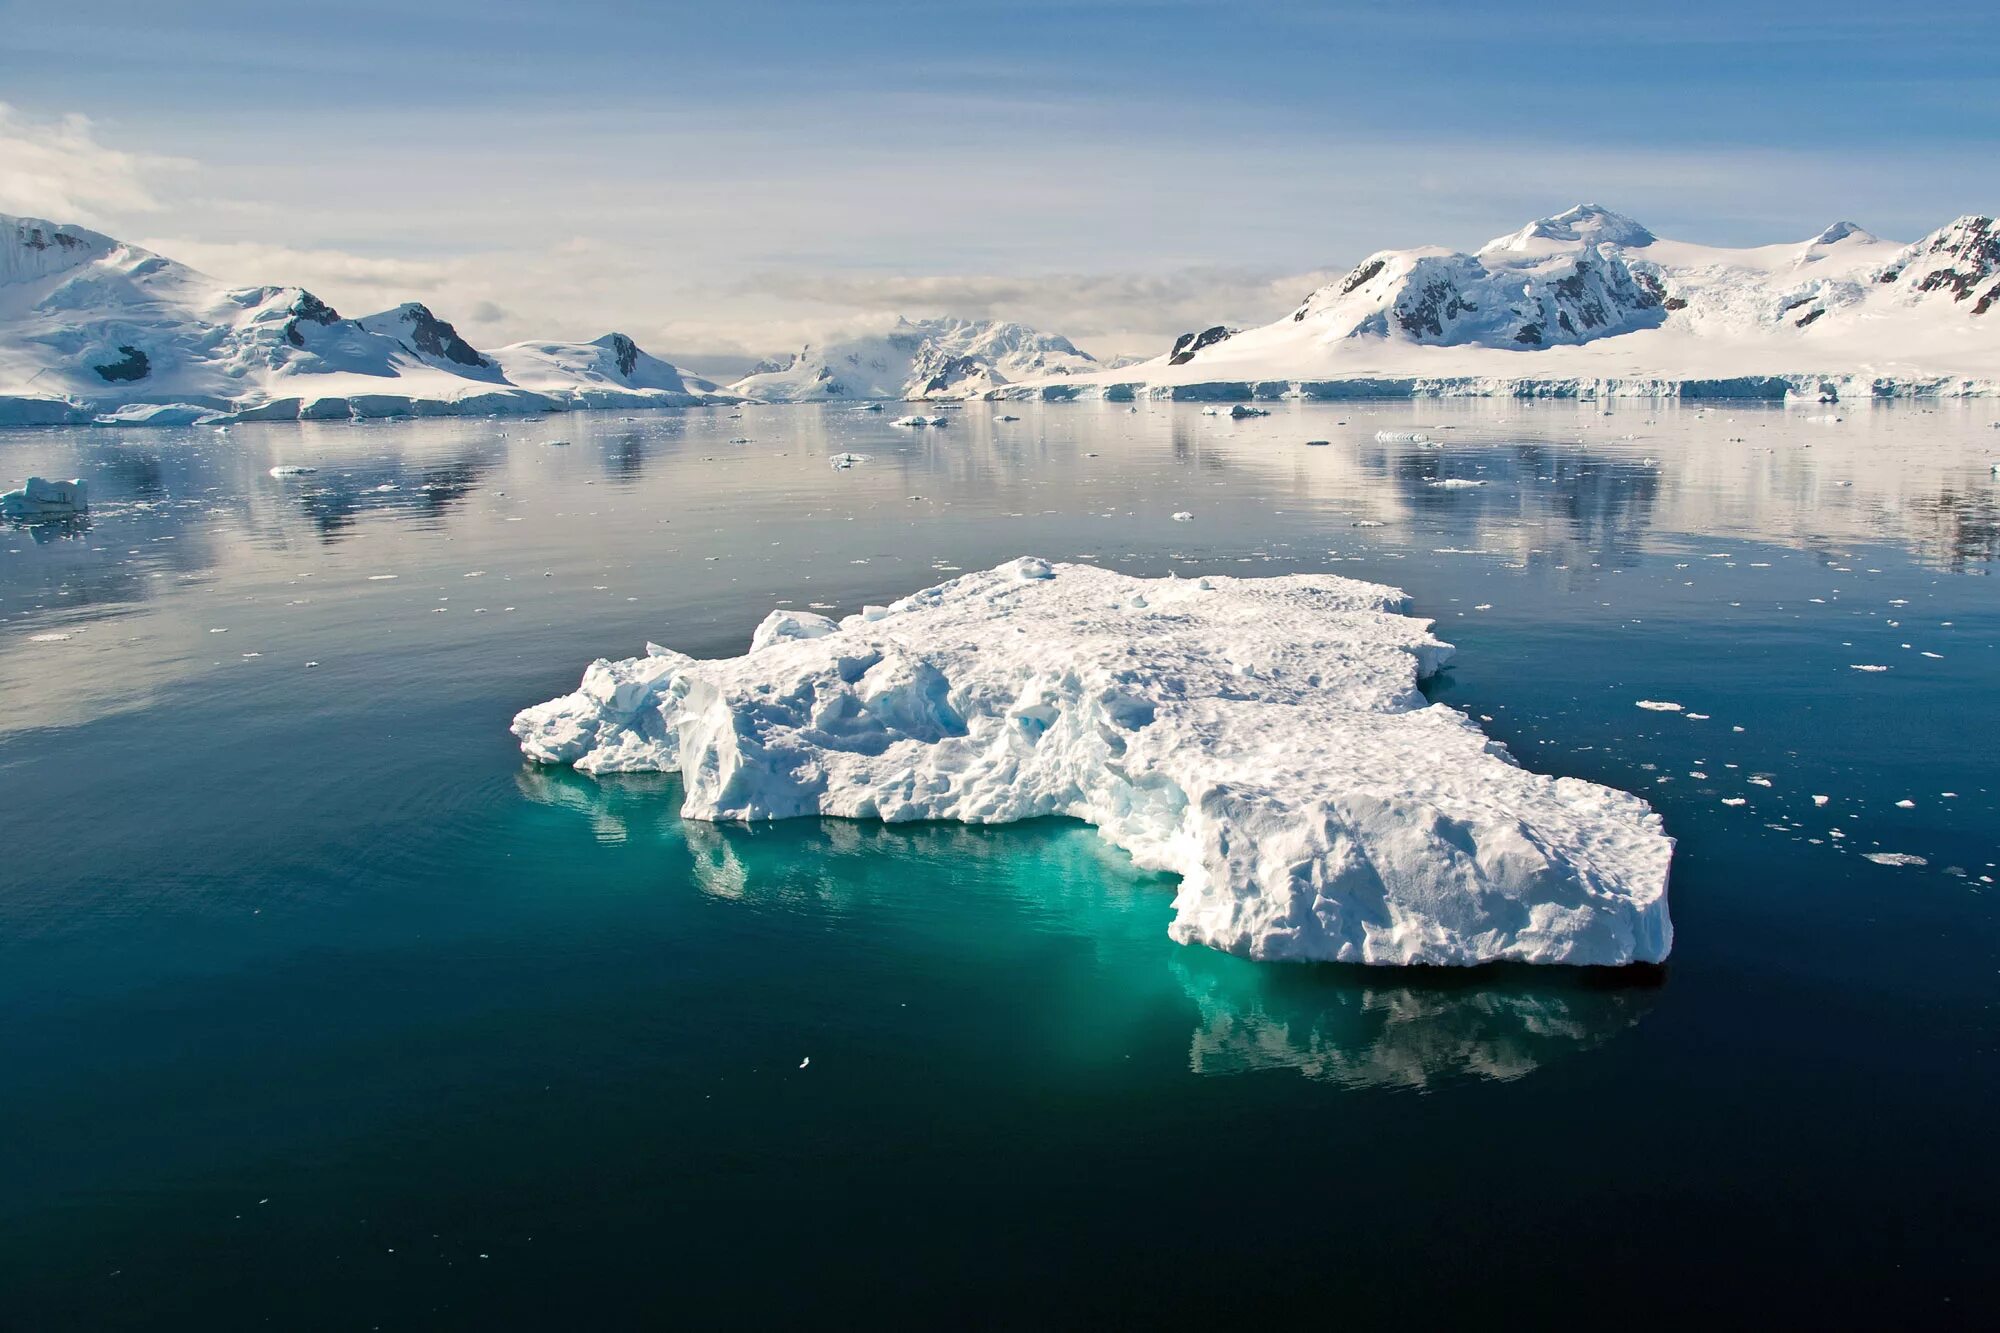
1263 738
919 421
46 499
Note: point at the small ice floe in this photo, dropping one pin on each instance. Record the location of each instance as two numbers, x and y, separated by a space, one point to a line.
1865 666
1658 706
1759 780
1240 410
1006 416
917 421
40 498
1183 516
292 470
1821 800
558 444
1456 483
50 637
1734 800
842 462
1401 437
1894 858
869 407
803 1063
1906 804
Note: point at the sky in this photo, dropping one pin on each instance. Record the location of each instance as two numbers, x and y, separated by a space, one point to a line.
725 182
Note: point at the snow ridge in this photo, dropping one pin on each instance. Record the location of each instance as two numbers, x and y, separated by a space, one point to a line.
1263 738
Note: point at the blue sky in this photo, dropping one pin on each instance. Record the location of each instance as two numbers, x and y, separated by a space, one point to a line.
725 180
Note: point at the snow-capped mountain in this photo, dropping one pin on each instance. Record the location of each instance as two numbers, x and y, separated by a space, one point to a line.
1589 301
91 326
932 358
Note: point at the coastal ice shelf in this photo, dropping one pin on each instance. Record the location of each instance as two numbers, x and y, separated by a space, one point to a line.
1265 739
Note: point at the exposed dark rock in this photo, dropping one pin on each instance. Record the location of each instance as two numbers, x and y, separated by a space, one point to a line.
1188 344
627 353
1674 303
434 337
37 239
946 372
310 309
1439 301
131 365
1531 334
1810 316
1362 274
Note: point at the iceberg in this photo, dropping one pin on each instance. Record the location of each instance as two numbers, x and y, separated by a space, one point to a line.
1263 738
46 499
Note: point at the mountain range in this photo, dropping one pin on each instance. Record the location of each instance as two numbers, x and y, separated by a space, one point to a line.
1590 302
91 327
1584 303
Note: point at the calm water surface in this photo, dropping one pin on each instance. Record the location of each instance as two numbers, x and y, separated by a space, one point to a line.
318 1009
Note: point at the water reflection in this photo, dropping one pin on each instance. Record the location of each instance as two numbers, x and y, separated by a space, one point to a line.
1351 1026
1361 1027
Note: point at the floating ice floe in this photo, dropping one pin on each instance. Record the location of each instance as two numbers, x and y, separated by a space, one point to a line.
1894 858
842 462
1183 516
1263 738
1401 437
40 498
292 470
919 421
1658 705
1456 483
1240 410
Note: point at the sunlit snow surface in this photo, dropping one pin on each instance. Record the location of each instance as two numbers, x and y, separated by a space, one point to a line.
1263 738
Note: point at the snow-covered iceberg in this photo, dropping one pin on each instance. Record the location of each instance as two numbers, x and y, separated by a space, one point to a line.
1263 738
46 499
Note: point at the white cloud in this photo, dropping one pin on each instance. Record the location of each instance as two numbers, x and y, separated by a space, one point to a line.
58 169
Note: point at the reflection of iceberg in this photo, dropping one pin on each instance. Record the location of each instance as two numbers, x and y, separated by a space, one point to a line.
617 806
1071 881
1339 1025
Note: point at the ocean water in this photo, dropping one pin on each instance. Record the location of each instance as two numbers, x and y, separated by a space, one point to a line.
319 1009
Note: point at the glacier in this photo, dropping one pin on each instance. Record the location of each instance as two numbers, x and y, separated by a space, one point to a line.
1263 738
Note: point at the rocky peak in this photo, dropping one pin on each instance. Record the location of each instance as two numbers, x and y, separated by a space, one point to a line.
419 329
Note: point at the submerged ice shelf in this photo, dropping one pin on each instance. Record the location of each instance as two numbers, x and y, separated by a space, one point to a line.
1263 738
